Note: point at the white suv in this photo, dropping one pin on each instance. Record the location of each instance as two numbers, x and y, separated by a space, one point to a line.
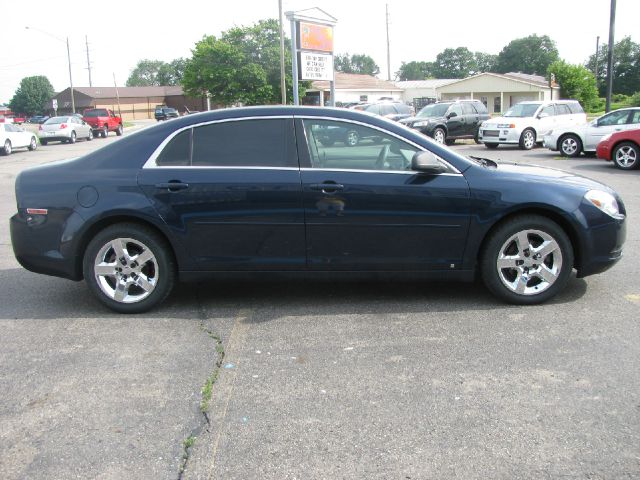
526 123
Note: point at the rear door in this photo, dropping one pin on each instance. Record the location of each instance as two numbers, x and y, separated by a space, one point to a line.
231 191
366 210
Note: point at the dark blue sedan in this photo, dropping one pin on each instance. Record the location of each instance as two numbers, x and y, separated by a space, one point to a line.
253 191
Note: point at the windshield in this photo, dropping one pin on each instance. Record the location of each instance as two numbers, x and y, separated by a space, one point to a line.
434 110
522 110
100 112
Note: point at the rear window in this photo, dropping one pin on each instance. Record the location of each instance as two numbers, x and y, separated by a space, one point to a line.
98 112
57 120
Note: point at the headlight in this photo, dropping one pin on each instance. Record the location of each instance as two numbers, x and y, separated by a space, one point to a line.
506 125
604 201
606 137
421 123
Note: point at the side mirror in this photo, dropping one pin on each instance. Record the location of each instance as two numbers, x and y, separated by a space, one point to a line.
426 162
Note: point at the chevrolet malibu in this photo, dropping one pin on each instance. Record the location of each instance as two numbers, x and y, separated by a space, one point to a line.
254 192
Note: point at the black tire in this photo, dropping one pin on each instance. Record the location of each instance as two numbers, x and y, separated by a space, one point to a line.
158 273
33 144
43 141
527 139
476 137
626 156
450 141
105 132
119 130
90 135
352 138
523 284
439 135
491 146
72 139
570 145
6 148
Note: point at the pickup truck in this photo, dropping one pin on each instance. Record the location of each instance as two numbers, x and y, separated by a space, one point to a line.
103 121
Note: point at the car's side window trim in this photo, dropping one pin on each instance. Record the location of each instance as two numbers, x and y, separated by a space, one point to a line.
151 162
307 163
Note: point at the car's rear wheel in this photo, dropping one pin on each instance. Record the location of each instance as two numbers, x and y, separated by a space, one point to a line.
72 139
33 144
439 135
6 149
626 156
527 139
527 260
43 141
570 146
119 130
130 268
450 141
352 138
105 132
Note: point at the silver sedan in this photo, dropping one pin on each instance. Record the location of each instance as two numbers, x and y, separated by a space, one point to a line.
66 129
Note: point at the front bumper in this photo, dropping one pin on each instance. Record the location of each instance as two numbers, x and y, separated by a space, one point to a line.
499 135
550 142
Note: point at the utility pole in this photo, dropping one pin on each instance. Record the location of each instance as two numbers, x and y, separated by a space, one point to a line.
283 85
73 102
388 51
612 24
86 40
595 73
117 94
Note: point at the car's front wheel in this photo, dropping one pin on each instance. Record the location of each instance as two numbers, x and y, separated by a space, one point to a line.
527 139
527 260
6 148
439 135
626 156
130 268
570 146
33 144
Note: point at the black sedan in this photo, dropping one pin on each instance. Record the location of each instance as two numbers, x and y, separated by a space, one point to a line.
255 191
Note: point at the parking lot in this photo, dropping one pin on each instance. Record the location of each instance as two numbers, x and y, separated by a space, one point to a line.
322 379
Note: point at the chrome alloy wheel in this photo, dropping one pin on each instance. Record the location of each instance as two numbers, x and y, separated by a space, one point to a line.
569 146
126 270
529 262
438 135
528 139
626 156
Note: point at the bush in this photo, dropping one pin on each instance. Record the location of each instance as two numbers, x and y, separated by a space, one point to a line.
635 100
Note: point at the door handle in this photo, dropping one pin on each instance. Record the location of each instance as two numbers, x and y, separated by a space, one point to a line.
173 186
328 187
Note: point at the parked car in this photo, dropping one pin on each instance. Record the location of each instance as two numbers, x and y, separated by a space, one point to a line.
447 121
251 191
526 123
103 121
388 109
575 139
65 129
38 119
12 137
165 113
19 119
622 148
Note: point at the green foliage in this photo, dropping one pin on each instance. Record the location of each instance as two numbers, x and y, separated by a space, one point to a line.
242 66
455 63
575 82
532 54
156 73
415 71
634 101
626 67
357 63
485 62
32 96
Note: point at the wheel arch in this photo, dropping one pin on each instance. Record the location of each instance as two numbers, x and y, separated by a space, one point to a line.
102 223
570 134
549 213
617 144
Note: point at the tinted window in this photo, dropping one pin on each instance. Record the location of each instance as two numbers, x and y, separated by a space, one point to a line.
481 107
614 118
575 107
468 109
562 109
328 147
635 116
434 110
98 112
387 109
402 108
259 143
177 152
457 109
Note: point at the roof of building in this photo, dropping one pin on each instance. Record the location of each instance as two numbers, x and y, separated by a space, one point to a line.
129 92
430 83
535 80
355 81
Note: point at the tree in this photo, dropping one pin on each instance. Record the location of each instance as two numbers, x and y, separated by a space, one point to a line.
242 66
455 63
485 62
357 63
156 72
626 67
32 96
532 54
575 82
415 71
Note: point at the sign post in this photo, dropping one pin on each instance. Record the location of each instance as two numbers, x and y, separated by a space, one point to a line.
312 48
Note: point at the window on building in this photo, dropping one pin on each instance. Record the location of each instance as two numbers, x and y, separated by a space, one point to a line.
497 106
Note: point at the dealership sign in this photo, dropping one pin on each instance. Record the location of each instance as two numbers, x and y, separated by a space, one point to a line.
316 66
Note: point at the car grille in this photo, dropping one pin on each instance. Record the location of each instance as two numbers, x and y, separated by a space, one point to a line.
491 133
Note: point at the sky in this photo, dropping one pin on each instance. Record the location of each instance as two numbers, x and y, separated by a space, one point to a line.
120 33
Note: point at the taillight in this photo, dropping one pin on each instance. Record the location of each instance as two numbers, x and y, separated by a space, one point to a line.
63 125
39 127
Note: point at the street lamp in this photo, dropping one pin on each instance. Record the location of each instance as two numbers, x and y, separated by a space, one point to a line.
73 103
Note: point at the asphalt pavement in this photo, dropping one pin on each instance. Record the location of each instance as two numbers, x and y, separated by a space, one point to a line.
312 380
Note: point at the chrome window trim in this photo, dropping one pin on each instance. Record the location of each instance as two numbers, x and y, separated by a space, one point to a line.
387 132
151 161
355 170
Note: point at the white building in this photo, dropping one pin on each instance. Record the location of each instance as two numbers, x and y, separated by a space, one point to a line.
418 91
352 88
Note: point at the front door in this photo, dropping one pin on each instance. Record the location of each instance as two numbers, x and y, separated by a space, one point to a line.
366 210
610 123
231 192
